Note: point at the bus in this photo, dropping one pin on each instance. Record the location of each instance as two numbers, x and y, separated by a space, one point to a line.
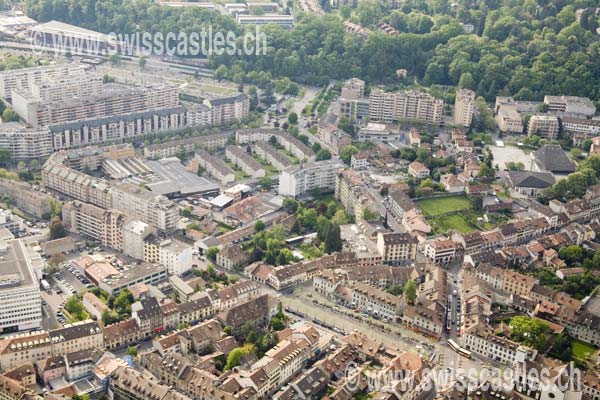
454 346
45 285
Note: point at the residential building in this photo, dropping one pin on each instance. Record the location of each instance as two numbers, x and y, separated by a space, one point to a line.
213 165
273 156
233 257
418 170
588 127
188 145
507 116
127 383
332 138
425 320
570 106
408 105
480 340
83 335
228 109
285 21
546 126
441 251
94 305
400 203
25 197
397 247
244 161
25 143
19 288
176 256
25 78
301 179
134 233
291 144
464 105
105 226
353 104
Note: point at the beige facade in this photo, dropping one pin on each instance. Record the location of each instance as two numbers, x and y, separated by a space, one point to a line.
464 105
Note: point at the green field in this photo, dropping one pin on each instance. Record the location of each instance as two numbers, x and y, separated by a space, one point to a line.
444 223
582 351
444 205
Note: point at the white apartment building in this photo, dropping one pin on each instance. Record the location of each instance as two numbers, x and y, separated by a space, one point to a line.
589 127
157 211
134 234
396 247
24 78
507 116
495 347
213 165
19 289
298 180
244 161
25 143
228 109
105 226
546 126
410 105
287 21
171 148
441 251
176 256
464 105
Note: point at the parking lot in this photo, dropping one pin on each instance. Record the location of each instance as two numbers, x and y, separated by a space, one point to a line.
502 155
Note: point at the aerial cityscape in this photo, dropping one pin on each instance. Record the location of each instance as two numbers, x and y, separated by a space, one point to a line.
300 199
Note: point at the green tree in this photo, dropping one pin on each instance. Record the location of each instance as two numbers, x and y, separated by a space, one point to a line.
211 253
293 118
265 182
132 351
529 331
571 254
235 356
347 152
9 115
259 226
410 291
109 317
57 229
115 59
142 62
323 154
333 238
290 205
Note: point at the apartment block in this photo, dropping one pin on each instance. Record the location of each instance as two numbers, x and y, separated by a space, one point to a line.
112 100
176 256
25 197
397 247
295 146
464 106
20 289
138 203
171 148
546 126
228 109
271 155
25 143
118 127
285 21
333 138
240 158
213 165
104 225
507 116
25 78
588 127
134 233
409 105
301 179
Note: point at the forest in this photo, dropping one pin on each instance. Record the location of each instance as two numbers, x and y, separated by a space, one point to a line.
520 48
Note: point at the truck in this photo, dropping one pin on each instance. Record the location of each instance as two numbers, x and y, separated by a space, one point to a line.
45 285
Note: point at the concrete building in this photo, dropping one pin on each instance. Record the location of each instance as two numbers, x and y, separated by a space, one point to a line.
93 222
418 170
112 100
546 126
507 116
138 203
25 78
19 289
286 21
301 179
588 127
331 137
25 197
464 105
120 127
176 256
397 247
572 106
408 105
171 148
134 233
25 143
295 146
271 155
240 158
213 165
228 109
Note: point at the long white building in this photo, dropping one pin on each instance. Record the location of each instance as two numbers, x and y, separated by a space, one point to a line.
25 78
298 180
19 289
25 143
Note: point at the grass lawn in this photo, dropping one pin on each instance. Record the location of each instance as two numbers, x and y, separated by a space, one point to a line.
444 205
216 89
443 223
582 350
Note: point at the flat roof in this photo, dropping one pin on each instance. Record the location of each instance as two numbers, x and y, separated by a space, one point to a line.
177 179
15 270
61 28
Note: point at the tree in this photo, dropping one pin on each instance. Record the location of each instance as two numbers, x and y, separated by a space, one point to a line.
410 291
10 115
293 118
323 154
259 226
333 238
115 59
529 331
142 62
477 203
235 356
265 182
290 205
57 229
571 254
211 253
109 317
132 351
186 212
347 152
